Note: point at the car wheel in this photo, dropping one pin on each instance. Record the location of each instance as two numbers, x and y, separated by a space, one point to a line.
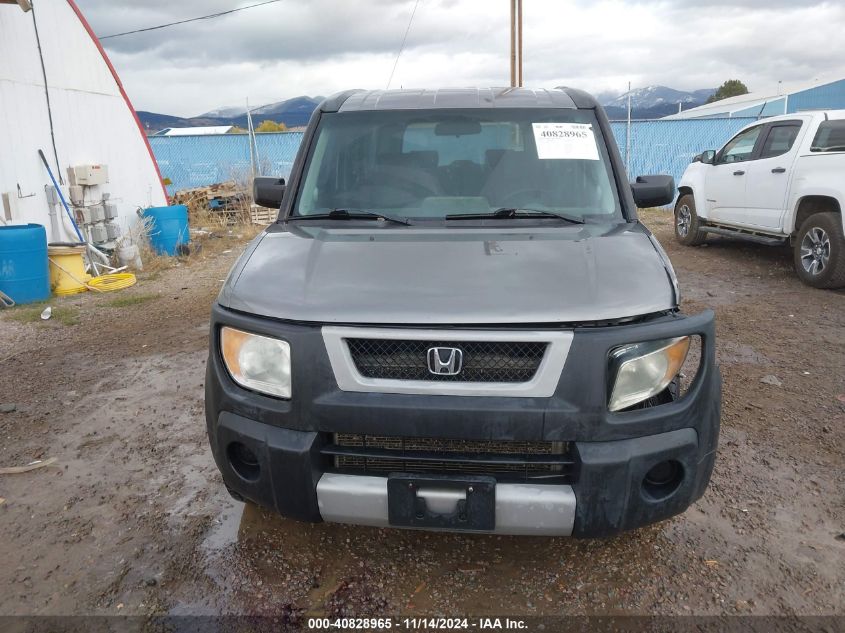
687 225
820 251
237 496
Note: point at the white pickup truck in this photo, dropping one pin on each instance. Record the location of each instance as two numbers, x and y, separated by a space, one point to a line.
779 179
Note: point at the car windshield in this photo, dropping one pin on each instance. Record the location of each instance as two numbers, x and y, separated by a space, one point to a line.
429 164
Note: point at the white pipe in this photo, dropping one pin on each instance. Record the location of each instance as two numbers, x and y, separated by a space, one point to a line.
92 250
64 229
54 223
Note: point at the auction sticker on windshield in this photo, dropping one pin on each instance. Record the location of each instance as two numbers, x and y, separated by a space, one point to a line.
573 141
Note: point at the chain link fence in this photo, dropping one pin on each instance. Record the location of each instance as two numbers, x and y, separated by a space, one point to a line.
657 147
199 161
668 146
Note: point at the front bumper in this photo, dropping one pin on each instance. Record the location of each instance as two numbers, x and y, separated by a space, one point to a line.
528 509
614 450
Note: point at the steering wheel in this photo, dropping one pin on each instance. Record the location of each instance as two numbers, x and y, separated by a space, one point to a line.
408 181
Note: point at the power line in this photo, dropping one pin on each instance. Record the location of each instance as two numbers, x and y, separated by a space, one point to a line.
47 95
202 17
402 46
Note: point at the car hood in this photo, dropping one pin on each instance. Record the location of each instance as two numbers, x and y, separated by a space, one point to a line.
455 276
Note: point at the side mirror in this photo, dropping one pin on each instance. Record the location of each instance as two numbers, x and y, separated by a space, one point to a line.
653 191
708 157
268 192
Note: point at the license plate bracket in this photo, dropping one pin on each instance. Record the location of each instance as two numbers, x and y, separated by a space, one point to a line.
408 501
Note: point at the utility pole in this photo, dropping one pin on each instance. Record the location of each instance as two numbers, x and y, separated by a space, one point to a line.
513 43
253 143
519 39
516 43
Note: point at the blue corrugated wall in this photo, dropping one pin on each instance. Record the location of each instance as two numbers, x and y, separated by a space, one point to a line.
770 108
829 96
657 147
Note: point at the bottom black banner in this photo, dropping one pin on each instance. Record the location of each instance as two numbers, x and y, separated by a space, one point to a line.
293 621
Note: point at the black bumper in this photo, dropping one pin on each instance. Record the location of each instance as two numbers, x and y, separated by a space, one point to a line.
614 450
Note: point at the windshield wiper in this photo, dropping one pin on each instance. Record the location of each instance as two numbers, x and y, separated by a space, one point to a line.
512 213
346 214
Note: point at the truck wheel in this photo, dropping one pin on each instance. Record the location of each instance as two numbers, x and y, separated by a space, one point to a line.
820 251
687 225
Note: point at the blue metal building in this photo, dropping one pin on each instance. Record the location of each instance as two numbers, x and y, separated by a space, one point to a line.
824 95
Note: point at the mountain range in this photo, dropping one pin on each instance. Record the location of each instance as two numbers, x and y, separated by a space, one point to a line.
651 102
292 112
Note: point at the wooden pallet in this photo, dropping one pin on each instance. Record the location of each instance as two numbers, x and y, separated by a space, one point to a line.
262 215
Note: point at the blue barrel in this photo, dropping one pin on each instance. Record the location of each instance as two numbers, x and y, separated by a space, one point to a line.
23 263
169 228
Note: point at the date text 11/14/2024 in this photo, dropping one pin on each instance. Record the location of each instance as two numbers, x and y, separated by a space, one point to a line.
416 624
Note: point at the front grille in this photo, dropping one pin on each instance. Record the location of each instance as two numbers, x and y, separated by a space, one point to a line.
483 361
506 460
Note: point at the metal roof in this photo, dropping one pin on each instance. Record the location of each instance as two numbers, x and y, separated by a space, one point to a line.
741 102
450 98
200 130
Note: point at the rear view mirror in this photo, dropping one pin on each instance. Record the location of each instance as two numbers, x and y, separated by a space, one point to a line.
708 157
268 192
653 191
457 127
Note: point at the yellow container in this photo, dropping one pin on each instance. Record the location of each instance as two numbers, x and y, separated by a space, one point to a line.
67 269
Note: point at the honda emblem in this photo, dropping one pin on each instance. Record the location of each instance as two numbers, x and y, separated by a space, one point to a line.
445 361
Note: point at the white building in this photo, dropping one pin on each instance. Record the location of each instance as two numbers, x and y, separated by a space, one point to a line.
80 115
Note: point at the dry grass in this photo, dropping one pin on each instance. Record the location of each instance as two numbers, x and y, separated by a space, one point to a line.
153 262
31 313
208 245
656 216
140 236
131 300
211 231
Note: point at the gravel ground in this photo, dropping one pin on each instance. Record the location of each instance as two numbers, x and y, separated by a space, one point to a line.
133 518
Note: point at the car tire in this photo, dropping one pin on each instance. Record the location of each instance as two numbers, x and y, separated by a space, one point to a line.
819 251
687 225
237 496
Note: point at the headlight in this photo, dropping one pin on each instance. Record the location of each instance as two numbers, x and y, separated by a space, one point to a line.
644 369
257 362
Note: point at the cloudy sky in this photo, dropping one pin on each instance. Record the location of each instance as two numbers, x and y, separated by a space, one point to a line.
316 47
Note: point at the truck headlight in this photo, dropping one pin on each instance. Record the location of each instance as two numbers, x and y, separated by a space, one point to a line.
257 362
642 370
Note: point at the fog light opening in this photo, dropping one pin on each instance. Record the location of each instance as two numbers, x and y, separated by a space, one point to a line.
243 461
663 480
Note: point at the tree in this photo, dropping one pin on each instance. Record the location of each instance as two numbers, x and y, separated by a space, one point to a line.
271 126
731 88
236 130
